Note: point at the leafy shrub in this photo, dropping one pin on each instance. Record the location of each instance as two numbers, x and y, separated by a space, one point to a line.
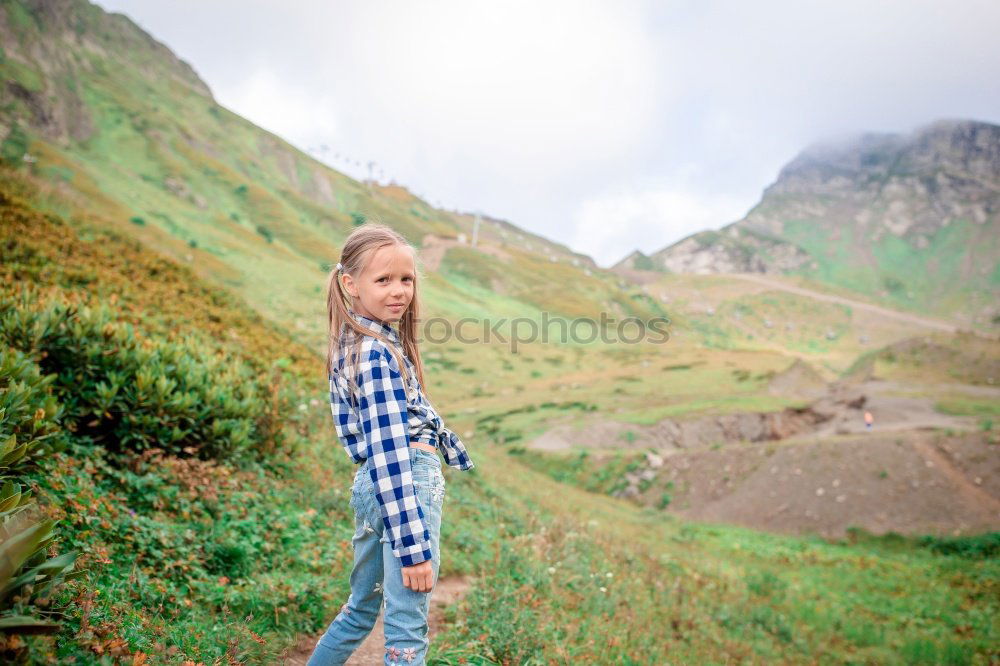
266 233
27 575
977 547
126 391
28 412
28 429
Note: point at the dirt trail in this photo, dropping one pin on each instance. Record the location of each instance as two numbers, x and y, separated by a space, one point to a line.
434 248
990 506
885 312
446 592
837 410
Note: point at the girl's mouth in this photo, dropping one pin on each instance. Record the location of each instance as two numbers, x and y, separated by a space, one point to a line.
398 306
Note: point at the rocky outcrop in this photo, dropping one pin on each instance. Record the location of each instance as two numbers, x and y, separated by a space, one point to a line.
908 186
50 48
861 189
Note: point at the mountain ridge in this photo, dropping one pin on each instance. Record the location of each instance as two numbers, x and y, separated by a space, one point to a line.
870 212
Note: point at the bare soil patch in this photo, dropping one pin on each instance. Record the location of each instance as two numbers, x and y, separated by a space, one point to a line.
909 482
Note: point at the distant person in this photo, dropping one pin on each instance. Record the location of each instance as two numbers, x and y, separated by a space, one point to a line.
388 427
868 420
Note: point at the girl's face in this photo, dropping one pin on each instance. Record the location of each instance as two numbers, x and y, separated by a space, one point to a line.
384 289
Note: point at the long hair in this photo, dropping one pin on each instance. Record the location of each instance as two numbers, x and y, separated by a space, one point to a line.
345 333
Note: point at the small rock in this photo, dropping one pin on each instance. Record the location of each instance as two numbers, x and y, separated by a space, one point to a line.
820 491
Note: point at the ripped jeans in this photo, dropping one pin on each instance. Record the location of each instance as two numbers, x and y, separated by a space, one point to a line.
377 578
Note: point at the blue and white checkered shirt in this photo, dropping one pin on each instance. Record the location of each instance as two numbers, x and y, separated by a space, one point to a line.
379 425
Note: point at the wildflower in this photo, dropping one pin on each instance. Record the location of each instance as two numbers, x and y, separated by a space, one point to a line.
604 589
303 407
609 575
314 402
552 570
409 654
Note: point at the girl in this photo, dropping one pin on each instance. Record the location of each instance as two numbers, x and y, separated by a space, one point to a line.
386 424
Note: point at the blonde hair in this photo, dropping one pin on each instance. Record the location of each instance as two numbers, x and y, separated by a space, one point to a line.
358 250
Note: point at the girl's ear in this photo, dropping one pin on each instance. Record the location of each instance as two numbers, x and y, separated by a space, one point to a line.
349 286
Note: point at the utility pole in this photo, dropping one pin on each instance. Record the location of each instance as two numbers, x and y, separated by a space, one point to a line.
475 229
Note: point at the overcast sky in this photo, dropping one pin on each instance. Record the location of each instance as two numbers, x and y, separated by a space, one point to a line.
606 126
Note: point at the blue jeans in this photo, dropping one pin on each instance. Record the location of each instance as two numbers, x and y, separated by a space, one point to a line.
377 577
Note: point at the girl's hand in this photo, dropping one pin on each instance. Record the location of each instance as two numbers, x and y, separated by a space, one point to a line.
419 577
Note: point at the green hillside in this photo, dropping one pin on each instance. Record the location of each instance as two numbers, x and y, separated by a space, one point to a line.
204 558
162 262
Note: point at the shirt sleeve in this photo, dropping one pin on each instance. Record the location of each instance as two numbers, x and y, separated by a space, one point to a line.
383 409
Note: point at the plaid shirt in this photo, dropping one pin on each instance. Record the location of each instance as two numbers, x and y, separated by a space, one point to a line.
380 424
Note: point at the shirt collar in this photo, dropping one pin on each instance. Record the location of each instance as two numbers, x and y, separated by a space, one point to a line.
377 326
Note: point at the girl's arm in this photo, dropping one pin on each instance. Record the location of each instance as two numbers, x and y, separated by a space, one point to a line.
383 408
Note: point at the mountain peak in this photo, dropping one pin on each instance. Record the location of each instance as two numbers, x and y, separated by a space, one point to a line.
911 218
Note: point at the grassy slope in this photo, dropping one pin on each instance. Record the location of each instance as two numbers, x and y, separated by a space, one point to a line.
260 554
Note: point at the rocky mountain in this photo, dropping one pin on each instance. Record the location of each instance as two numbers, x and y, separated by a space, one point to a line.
909 219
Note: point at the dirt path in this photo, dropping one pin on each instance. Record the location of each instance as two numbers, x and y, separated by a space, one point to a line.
434 248
892 411
885 312
990 506
446 592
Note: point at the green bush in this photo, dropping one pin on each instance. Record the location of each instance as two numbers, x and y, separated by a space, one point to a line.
128 392
28 430
28 411
975 547
266 233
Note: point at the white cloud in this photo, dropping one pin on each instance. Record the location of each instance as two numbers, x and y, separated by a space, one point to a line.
609 227
286 110
557 115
